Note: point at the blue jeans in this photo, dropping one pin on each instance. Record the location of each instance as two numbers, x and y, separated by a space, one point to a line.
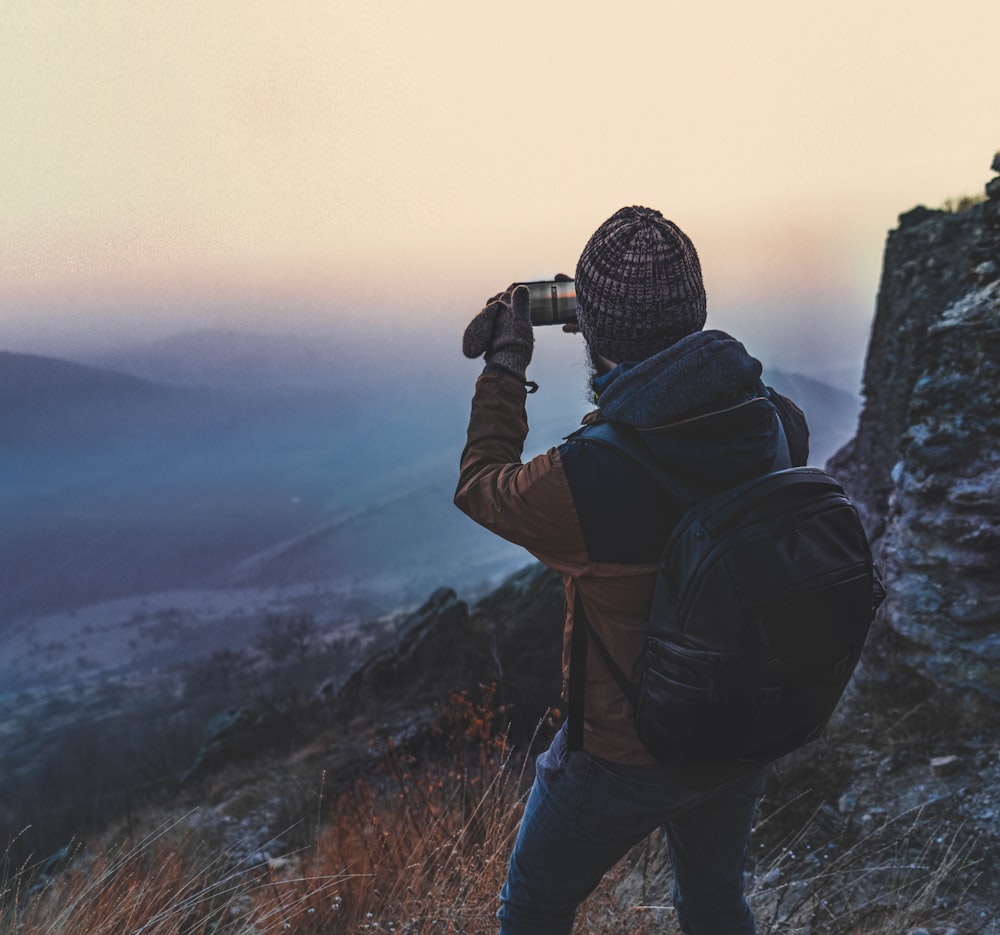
585 813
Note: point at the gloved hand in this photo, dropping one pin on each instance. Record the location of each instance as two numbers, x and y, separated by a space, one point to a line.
502 333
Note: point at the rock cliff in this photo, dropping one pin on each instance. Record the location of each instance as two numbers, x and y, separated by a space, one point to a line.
925 464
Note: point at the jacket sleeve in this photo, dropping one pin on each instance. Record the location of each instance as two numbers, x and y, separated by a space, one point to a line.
529 504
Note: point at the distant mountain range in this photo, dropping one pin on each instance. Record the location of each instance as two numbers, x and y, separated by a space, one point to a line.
250 361
41 378
234 359
832 413
113 485
232 460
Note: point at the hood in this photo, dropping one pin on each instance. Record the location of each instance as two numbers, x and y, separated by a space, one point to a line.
702 372
700 407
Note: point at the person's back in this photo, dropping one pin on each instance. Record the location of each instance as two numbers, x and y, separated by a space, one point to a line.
696 400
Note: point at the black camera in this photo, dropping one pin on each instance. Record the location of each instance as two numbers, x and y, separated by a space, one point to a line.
552 302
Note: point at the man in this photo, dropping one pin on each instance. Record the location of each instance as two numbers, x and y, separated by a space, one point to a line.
699 405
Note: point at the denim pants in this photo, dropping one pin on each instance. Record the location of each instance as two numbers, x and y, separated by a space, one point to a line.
584 814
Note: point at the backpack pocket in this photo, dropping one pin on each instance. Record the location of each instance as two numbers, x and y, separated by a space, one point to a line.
688 706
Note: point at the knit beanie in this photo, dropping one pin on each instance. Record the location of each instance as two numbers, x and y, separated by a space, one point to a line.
638 286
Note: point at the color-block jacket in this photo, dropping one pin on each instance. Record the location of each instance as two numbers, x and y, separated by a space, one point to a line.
584 510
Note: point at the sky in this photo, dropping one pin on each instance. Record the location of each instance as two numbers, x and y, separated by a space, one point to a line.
343 162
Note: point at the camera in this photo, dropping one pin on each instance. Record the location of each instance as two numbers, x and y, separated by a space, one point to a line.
551 302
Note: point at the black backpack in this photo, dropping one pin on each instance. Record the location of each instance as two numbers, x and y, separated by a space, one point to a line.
763 599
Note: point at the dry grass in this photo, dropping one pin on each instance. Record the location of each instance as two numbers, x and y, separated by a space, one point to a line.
962 203
412 849
889 881
162 886
424 847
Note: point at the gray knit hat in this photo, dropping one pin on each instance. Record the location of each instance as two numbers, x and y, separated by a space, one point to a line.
638 286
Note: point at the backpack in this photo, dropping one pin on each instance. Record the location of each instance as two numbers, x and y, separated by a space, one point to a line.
764 596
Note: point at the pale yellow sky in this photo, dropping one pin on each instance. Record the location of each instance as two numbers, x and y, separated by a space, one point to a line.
408 156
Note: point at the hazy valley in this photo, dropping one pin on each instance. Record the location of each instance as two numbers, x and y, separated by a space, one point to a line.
252 483
212 521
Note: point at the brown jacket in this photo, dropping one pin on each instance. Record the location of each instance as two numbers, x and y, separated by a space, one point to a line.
595 518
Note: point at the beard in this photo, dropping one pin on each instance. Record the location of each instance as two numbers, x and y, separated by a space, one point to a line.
595 368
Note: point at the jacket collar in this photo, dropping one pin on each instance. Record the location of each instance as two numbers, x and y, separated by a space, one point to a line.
703 372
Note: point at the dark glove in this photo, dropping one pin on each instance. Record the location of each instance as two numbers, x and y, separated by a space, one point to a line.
502 333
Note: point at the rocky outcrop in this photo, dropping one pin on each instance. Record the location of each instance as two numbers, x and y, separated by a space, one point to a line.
508 643
239 732
924 466
511 638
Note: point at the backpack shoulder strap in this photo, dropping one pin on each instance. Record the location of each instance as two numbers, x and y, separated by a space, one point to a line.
582 635
626 442
629 689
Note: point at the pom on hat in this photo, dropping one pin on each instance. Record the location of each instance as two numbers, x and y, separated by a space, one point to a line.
638 286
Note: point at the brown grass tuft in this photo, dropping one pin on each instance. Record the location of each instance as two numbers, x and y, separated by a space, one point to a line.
423 847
